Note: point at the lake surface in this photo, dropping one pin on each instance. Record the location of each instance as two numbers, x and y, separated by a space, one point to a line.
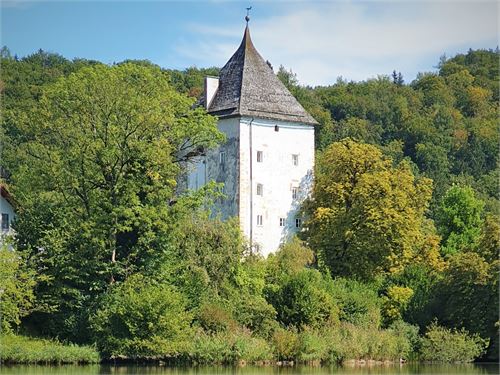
251 370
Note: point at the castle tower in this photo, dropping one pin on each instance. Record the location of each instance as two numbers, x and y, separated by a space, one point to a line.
267 161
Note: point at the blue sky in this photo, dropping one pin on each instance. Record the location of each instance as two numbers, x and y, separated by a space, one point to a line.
318 40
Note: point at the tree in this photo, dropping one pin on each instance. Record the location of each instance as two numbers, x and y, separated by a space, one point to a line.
141 318
459 219
95 170
468 296
16 289
365 217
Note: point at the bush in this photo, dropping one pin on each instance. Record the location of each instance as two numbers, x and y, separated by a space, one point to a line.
214 318
229 348
304 299
312 346
348 341
444 345
141 318
19 349
285 344
359 304
17 284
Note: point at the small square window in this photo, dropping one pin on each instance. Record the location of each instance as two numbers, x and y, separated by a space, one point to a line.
298 223
282 221
259 220
260 156
5 222
295 159
260 189
295 192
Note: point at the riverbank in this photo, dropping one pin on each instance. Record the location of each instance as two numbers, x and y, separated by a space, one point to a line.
25 350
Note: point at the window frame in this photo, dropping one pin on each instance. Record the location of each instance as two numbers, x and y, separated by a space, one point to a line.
260 220
260 156
260 189
5 225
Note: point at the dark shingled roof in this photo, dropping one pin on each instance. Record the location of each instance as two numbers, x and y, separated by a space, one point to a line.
249 87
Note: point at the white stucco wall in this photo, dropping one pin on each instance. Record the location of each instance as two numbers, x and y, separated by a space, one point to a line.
278 176
276 173
6 208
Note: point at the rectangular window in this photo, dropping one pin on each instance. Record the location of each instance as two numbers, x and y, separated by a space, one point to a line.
282 221
295 192
260 189
259 220
295 159
298 223
260 156
222 158
5 222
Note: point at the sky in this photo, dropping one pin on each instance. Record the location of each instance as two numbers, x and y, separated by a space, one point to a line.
318 40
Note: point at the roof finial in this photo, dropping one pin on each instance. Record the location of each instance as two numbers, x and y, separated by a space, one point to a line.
247 17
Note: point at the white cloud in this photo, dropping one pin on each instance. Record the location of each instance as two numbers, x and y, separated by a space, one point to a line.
356 40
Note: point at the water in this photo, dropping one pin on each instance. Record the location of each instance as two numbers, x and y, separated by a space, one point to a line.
420 369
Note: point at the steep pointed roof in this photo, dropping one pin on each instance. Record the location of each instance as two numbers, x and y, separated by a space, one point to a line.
249 87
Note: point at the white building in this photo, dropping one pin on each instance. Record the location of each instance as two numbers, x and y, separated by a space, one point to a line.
267 161
6 212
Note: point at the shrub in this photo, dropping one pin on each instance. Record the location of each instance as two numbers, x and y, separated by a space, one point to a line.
213 317
285 343
229 347
255 313
358 302
304 299
17 289
444 345
141 318
19 349
312 346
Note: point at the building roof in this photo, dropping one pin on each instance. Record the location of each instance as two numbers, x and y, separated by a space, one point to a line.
249 87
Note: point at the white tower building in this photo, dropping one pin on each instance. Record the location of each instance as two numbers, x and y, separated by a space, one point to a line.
267 161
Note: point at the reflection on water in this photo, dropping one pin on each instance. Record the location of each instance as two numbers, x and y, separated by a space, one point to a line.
251 370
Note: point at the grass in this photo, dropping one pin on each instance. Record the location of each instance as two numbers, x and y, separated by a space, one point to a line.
26 350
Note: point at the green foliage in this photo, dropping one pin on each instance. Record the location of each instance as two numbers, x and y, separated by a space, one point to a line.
359 303
20 349
443 345
16 291
285 343
229 348
459 219
213 318
94 165
395 302
304 299
468 295
365 217
141 318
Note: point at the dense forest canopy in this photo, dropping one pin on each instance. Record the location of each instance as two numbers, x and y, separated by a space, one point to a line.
399 253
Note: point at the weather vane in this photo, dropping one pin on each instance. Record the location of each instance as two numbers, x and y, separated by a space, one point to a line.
247 17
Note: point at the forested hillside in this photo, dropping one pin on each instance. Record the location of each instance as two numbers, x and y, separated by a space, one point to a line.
398 257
